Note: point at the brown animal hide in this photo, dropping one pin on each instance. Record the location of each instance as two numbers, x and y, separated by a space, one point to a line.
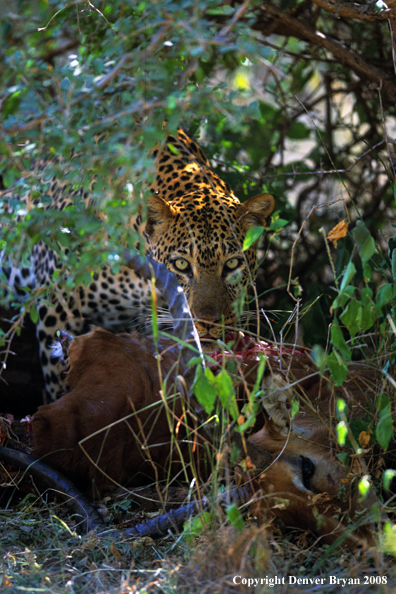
114 427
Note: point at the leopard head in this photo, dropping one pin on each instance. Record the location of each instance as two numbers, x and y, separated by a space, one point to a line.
196 226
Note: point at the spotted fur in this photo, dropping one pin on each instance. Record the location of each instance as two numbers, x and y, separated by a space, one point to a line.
195 225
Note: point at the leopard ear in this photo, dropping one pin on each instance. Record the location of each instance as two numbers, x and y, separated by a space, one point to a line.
158 211
256 210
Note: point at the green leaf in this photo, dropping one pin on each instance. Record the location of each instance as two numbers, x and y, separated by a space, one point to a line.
318 355
367 273
250 408
260 371
367 296
196 526
384 295
338 340
235 517
299 131
348 275
173 149
352 317
295 407
278 223
338 368
12 103
343 457
221 10
382 401
204 389
344 297
9 176
392 254
125 505
252 110
251 236
226 392
384 429
34 314
365 242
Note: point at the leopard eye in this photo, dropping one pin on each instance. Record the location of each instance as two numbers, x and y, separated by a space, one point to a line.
181 264
232 264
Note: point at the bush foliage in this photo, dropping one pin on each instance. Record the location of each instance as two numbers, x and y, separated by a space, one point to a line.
289 98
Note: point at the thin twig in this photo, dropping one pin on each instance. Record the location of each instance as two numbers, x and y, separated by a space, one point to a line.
237 16
314 207
332 171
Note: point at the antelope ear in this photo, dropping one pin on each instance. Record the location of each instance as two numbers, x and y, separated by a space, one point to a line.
158 211
256 210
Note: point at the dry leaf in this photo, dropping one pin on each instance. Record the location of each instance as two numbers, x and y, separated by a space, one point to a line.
364 439
115 552
338 232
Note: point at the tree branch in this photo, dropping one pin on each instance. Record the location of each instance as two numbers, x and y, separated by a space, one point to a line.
285 24
365 12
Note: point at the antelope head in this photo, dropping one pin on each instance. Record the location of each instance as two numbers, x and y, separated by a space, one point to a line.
305 484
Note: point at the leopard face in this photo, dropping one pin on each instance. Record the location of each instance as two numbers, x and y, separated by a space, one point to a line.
196 226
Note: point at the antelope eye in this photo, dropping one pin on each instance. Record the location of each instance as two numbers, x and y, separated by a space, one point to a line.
307 470
181 264
232 264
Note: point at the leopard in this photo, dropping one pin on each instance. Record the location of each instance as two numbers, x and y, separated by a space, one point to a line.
194 224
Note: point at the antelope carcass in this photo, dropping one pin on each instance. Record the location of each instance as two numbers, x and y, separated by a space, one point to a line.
123 423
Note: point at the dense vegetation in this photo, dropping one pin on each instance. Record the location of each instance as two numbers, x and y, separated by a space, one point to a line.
307 115
294 98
